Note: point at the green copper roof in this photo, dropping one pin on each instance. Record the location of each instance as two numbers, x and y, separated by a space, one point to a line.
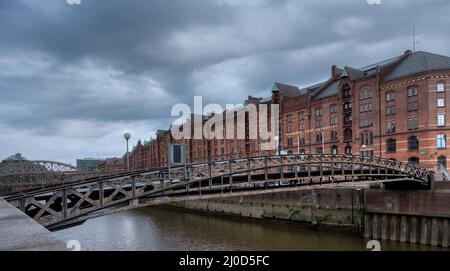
275 88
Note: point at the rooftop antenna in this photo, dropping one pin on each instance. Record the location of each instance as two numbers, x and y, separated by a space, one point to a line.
415 41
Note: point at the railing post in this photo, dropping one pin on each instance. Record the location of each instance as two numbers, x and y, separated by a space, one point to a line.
249 172
101 194
353 168
332 170
210 175
64 203
309 168
231 176
22 202
281 168
133 187
321 169
266 173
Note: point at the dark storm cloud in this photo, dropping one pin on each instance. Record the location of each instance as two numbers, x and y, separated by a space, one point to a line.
113 65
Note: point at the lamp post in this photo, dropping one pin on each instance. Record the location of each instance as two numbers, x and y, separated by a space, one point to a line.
127 137
277 144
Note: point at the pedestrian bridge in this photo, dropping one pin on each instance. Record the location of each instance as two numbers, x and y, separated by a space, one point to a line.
57 206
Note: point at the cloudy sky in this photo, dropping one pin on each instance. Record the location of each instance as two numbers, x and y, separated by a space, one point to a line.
74 78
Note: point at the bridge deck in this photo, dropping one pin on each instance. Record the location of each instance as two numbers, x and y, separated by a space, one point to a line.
20 232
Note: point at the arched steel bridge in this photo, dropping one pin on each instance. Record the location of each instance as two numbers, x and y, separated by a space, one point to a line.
35 167
60 205
39 174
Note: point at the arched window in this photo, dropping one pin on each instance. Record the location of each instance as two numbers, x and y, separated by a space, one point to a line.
365 93
334 150
391 145
413 143
348 150
413 161
442 163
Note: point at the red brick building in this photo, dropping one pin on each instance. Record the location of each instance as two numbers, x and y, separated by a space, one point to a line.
393 109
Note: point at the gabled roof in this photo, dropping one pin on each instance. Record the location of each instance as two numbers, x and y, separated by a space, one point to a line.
416 63
331 90
287 90
354 74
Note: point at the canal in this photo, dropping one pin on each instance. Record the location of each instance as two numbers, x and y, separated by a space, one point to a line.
162 229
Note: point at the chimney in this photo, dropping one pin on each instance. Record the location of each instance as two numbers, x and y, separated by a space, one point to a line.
335 71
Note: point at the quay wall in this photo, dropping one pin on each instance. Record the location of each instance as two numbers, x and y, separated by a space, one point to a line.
420 217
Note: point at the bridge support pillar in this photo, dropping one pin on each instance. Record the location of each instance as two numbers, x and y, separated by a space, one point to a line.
413 229
404 229
445 233
434 232
424 231
384 227
367 226
134 202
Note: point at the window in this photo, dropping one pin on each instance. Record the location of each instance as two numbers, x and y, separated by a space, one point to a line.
413 143
442 163
301 116
390 126
441 142
390 96
333 120
333 108
319 150
334 135
413 161
390 110
441 120
366 107
412 91
290 143
289 129
348 150
319 138
441 103
413 106
413 123
366 93
334 150
289 118
365 123
391 146
347 106
301 126
318 111
319 124
301 140
440 87
366 138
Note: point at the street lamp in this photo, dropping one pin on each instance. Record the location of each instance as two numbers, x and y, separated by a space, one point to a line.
127 137
277 144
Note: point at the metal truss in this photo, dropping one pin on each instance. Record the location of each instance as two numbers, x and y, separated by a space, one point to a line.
54 206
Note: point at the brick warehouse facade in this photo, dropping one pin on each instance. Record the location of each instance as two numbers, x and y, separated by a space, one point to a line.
393 109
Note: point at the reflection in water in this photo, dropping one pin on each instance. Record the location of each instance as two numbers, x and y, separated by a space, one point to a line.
167 229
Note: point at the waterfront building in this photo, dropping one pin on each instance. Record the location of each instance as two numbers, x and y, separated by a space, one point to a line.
396 108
